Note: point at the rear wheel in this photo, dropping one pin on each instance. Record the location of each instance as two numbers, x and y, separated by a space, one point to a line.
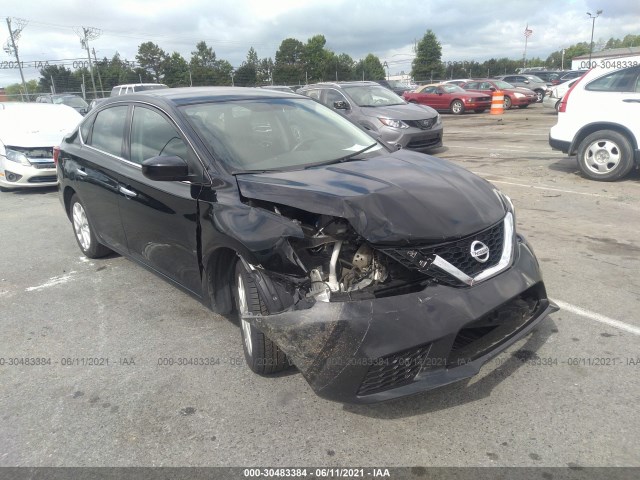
457 107
507 102
85 236
605 155
539 95
262 355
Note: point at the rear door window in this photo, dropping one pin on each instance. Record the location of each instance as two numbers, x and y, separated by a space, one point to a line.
619 81
108 130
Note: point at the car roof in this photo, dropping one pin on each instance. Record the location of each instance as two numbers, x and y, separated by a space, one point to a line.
344 84
193 95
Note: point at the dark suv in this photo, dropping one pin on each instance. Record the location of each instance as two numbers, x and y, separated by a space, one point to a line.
377 109
377 273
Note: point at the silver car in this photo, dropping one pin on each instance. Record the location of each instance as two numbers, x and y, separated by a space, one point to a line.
527 81
28 133
397 123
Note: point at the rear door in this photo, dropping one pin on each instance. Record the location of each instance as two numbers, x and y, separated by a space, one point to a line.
95 172
614 97
160 218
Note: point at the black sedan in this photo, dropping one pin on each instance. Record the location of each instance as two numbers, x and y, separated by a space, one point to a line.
376 273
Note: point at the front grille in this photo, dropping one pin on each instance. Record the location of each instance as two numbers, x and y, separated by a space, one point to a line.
423 142
425 124
457 253
44 179
41 166
394 370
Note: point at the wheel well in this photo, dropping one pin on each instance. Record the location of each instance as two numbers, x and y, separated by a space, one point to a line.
594 127
68 193
219 277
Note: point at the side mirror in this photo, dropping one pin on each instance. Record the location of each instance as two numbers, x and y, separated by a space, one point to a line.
166 169
493 89
341 105
526 81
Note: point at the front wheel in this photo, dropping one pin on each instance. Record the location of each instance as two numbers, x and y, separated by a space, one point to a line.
457 107
507 102
605 155
262 355
539 96
85 236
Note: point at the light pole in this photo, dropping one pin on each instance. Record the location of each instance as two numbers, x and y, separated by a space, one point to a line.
593 25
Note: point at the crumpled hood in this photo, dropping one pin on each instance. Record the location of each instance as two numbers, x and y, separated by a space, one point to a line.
36 125
409 111
393 199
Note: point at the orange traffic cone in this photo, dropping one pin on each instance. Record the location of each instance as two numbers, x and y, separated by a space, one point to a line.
497 103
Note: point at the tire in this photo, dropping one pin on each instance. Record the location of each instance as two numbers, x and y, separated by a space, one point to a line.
457 107
83 231
539 95
558 105
480 110
523 106
507 102
605 156
263 356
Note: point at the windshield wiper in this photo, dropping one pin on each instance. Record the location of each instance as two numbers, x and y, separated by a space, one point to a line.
346 158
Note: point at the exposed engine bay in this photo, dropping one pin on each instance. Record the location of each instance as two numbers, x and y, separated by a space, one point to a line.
340 265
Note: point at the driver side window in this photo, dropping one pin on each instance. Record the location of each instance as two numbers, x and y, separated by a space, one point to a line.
153 135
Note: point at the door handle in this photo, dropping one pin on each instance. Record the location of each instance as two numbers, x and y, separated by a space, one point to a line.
127 193
631 100
81 172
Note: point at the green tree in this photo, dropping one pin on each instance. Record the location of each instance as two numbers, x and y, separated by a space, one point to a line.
370 68
206 69
339 67
315 58
176 71
289 64
252 57
152 58
60 77
264 71
555 59
246 75
428 61
16 92
116 72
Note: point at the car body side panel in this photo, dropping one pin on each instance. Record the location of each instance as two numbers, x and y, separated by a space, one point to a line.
160 223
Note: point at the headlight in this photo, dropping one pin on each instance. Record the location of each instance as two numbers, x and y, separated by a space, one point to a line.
438 119
17 157
508 204
389 122
519 95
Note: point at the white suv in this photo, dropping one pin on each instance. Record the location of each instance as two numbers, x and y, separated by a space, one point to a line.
599 120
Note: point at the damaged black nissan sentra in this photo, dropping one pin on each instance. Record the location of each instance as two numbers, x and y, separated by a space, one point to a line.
376 273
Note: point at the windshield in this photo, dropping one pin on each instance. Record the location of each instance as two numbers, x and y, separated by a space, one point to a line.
451 88
533 78
501 84
373 96
71 101
278 134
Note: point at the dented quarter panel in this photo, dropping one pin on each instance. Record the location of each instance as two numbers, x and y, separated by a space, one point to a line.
399 198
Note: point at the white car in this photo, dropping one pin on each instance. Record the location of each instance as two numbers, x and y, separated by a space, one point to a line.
28 133
553 95
599 121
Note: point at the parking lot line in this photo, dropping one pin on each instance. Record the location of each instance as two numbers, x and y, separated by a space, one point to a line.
597 317
518 150
539 187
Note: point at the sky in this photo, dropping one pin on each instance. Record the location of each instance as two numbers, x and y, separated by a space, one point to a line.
467 29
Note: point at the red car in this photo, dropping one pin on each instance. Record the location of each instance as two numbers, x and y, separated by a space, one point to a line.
513 96
449 97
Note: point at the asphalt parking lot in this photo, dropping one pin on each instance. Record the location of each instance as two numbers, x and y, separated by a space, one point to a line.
566 395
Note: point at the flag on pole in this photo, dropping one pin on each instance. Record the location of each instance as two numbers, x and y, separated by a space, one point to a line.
527 31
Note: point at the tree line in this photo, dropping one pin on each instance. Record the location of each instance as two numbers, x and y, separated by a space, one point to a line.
295 63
